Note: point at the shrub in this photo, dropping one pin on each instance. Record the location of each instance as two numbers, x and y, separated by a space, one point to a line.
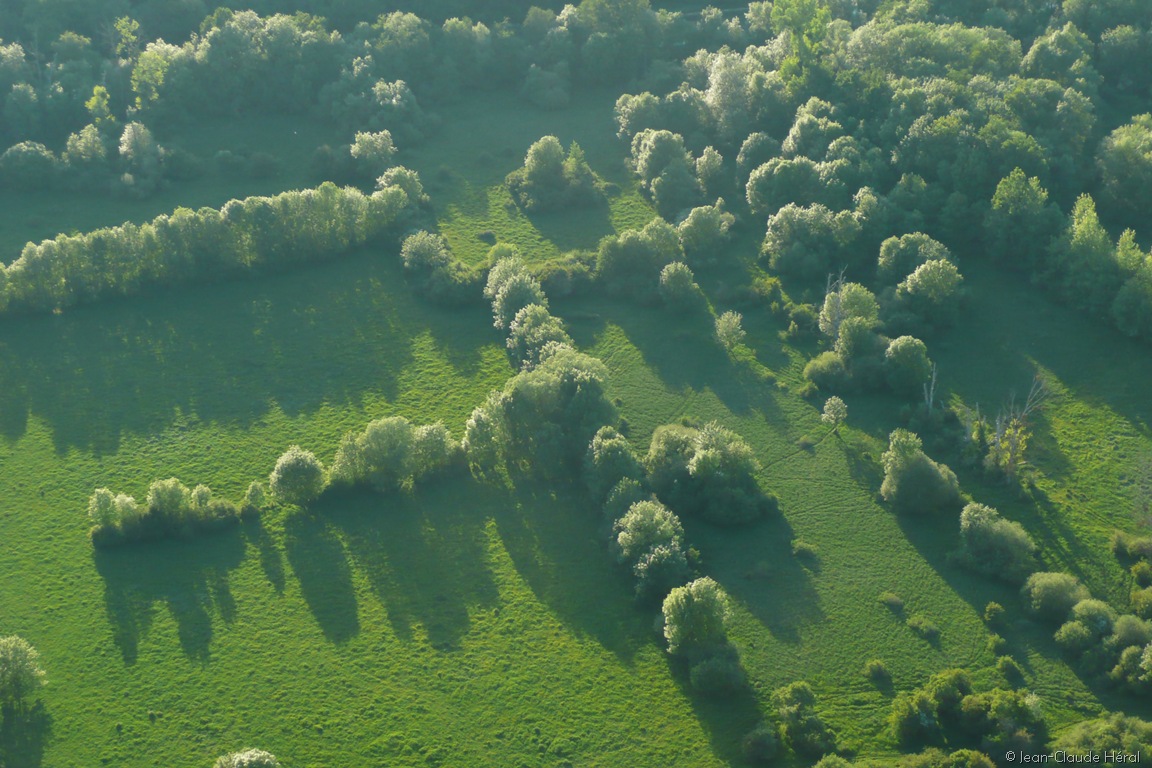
912 481
550 180
892 602
696 617
996 645
1052 595
923 628
29 165
832 761
1115 732
729 330
630 263
435 273
993 614
298 477
803 729
1010 669
659 570
373 153
718 675
827 371
932 294
254 497
704 232
392 453
759 745
876 671
1074 638
900 256
169 499
519 290
994 546
249 758
20 672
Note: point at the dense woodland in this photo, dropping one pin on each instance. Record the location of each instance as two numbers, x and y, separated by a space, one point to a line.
831 167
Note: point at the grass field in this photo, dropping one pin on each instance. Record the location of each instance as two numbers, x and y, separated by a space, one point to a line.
480 625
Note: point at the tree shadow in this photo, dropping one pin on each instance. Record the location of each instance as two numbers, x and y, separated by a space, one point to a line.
572 229
317 557
189 577
726 718
425 553
23 735
555 538
755 564
271 558
226 353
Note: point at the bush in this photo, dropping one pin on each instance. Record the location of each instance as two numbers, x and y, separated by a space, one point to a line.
709 471
803 729
646 525
630 263
828 372
832 761
517 291
900 256
876 671
1115 732
719 675
1007 666
912 481
705 232
1052 595
435 273
995 546
249 758
696 617
550 180
659 570
759 746
298 477
372 153
392 453
21 675
29 165
923 628
993 614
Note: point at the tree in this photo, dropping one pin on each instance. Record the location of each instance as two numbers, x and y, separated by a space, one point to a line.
729 331
906 364
846 301
550 179
696 617
21 675
704 232
1125 164
801 725
249 758
809 242
899 256
373 152
645 526
298 477
678 285
1052 595
1021 222
932 293
914 482
835 413
994 546
516 292
531 332
610 459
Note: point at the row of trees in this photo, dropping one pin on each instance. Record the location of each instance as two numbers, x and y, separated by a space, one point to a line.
257 233
171 509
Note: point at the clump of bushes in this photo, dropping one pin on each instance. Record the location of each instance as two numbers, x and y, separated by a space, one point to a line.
249 758
393 453
434 272
803 729
553 180
912 481
708 471
760 745
994 546
170 510
1052 595
650 539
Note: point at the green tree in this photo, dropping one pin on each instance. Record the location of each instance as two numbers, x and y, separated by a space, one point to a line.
21 675
696 617
1125 165
1021 223
298 477
249 758
729 330
912 481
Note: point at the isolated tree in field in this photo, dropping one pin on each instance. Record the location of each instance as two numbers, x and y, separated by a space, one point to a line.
730 330
696 617
835 413
249 758
20 672
298 477
995 546
551 179
912 481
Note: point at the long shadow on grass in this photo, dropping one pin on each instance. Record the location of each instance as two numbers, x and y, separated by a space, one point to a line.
317 557
322 334
554 537
755 564
726 717
425 554
23 736
190 578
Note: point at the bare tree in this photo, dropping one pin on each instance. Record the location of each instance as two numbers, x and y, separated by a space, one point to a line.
1012 430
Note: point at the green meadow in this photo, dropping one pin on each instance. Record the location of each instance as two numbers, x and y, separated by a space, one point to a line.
476 623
